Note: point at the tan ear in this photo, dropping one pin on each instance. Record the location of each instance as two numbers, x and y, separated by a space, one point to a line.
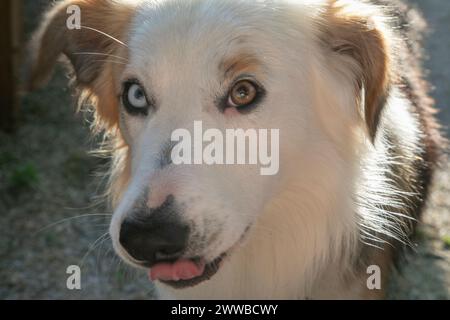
356 33
90 48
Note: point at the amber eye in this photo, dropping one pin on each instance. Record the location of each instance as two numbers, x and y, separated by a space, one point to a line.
243 94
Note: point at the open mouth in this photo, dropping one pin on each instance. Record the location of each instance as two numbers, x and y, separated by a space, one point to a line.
185 273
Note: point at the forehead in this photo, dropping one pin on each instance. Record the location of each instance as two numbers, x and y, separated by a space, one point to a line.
230 36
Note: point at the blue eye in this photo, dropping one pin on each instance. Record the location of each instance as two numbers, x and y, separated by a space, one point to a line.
134 98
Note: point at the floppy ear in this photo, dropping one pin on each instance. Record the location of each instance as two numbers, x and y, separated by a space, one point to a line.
357 35
94 48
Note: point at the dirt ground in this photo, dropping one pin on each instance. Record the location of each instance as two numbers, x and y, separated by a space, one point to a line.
49 218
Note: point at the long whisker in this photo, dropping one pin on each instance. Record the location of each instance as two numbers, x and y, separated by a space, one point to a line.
112 61
102 254
101 54
69 219
105 34
89 207
96 244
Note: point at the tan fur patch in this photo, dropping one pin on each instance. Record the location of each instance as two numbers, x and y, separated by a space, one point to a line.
352 30
239 64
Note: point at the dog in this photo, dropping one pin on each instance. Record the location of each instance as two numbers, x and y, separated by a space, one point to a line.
342 80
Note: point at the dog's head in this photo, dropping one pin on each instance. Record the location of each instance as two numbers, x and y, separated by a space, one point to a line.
317 71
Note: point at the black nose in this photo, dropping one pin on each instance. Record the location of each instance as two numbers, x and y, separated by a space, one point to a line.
155 235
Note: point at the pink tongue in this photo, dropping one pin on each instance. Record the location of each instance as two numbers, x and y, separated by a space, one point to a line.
180 270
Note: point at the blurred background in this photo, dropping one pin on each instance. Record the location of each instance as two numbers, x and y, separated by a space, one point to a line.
51 216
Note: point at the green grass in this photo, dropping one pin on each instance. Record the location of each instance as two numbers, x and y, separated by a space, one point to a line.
24 176
446 240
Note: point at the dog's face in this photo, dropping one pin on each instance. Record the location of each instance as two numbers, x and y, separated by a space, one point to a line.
229 65
188 69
